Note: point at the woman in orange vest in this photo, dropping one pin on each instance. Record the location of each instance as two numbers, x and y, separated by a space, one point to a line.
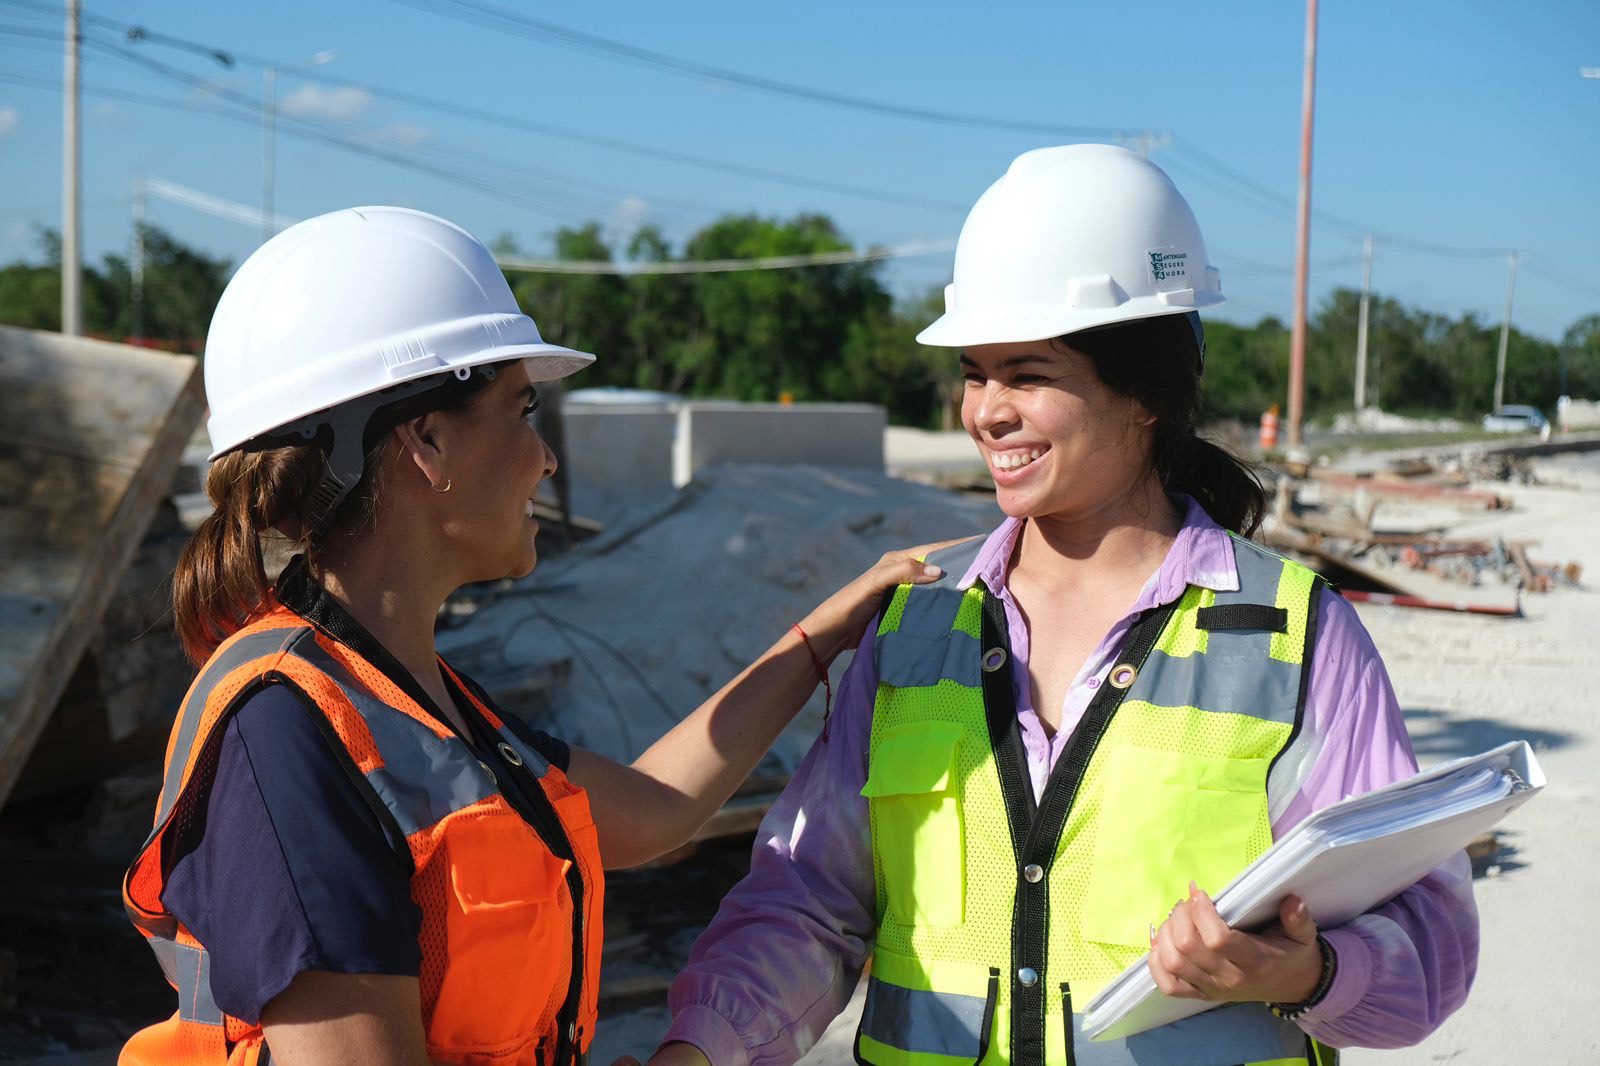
355 857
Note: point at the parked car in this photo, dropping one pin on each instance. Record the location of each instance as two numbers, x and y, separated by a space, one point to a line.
1516 418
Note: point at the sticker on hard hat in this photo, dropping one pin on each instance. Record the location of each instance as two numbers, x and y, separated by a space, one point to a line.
1168 264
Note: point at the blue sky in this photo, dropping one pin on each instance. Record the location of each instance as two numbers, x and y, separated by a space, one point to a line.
1463 125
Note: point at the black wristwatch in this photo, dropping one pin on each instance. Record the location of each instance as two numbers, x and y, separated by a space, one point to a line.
1330 966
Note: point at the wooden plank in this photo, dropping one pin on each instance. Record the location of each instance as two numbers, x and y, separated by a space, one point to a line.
91 434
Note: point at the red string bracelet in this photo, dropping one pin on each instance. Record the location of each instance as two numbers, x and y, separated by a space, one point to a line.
822 672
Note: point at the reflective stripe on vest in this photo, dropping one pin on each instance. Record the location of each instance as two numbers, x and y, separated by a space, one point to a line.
996 914
423 777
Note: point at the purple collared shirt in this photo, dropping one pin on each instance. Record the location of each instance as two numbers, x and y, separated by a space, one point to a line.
787 946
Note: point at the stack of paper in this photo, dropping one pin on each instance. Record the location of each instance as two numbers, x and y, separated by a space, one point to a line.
1344 860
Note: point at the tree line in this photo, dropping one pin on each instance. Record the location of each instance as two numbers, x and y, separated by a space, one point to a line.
833 333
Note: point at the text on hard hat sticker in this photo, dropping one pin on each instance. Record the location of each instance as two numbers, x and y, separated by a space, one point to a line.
1168 263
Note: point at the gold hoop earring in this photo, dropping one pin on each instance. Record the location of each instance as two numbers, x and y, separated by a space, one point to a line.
447 484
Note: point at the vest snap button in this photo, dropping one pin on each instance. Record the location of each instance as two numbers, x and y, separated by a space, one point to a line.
1033 873
993 659
1027 977
1122 676
492 779
511 754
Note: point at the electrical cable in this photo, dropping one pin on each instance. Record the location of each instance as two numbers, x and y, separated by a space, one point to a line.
495 17
720 166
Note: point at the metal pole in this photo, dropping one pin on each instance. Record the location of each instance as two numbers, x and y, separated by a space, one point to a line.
136 265
1505 334
269 110
71 193
1297 335
1361 329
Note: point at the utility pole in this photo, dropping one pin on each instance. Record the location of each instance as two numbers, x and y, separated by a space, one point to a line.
269 123
1361 328
1297 335
1505 333
269 112
136 265
71 192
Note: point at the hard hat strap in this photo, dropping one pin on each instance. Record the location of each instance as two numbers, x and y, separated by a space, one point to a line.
346 452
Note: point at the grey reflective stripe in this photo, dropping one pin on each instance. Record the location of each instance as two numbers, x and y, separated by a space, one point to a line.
194 986
956 560
937 1023
248 647
166 953
424 776
1259 574
923 649
908 661
1256 685
1241 1032
1237 673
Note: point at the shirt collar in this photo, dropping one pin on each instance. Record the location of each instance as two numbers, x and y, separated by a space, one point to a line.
1201 555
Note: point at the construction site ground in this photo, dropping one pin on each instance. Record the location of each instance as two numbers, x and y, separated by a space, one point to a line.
75 979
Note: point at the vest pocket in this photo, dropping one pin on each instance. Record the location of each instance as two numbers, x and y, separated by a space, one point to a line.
915 795
1166 818
506 926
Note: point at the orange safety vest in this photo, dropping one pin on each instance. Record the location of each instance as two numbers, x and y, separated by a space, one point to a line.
511 911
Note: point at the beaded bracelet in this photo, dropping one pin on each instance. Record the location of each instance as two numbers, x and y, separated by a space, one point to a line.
1330 966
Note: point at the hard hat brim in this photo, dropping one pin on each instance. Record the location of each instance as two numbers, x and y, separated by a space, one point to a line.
1014 325
544 362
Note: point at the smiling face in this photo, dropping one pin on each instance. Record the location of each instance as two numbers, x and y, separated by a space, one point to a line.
495 461
1058 441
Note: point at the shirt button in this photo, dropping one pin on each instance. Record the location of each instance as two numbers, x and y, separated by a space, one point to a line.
1032 873
1027 977
1094 682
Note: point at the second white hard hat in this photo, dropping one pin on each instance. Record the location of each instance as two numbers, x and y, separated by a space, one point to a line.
1072 238
351 303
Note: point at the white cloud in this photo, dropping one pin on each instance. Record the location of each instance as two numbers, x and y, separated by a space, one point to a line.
339 102
9 120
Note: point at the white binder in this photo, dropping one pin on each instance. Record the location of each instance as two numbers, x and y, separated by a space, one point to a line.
1344 860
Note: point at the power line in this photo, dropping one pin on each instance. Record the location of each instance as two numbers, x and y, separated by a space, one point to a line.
719 166
1553 278
243 213
309 130
722 266
500 18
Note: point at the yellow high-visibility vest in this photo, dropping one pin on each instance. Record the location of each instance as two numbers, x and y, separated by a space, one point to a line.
996 913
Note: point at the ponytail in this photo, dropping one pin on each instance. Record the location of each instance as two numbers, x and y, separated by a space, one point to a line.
221 579
1157 361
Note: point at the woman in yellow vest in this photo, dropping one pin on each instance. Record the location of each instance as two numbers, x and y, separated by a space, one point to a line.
1043 762
356 857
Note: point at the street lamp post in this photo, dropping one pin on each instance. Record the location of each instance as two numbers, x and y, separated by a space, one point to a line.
269 129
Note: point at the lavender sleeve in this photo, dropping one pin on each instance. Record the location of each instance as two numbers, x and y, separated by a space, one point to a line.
1408 965
787 946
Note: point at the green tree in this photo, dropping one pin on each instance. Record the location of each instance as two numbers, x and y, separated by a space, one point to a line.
583 311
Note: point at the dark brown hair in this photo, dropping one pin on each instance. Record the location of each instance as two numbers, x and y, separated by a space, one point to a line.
1157 361
221 578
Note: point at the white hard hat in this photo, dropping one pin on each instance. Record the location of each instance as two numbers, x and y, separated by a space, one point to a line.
1071 238
346 304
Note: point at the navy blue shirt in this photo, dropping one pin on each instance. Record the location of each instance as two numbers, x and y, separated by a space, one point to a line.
289 869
